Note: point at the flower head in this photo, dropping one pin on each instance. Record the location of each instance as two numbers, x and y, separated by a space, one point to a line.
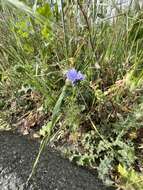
74 76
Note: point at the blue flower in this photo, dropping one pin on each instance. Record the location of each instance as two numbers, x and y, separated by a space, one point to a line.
74 76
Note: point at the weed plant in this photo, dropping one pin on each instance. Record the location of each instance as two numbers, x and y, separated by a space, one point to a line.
94 121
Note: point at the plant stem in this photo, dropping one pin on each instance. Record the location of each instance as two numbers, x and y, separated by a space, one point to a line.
64 31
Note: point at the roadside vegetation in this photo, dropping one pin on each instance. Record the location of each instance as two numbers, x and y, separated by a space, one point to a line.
71 74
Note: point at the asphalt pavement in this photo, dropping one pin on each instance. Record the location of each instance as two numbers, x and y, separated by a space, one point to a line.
17 154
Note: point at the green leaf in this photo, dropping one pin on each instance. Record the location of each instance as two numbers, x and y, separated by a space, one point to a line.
45 129
45 10
46 32
122 170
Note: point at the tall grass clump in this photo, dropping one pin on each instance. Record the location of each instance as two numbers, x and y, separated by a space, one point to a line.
95 121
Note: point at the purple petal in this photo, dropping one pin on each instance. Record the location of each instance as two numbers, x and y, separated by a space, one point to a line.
72 75
80 76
